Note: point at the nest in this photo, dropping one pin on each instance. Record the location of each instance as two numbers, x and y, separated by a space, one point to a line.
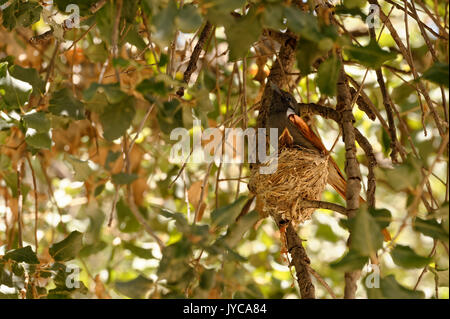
301 174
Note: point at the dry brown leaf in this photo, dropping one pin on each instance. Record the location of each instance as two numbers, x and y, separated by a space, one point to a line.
194 193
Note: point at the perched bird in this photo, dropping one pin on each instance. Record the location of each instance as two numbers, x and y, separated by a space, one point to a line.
293 131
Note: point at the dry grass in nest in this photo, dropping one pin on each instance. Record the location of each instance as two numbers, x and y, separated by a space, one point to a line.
301 174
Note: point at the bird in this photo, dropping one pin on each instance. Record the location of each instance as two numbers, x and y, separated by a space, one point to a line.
293 131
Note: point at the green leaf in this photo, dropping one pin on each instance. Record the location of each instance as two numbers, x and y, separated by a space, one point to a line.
92 249
68 248
25 254
61 280
327 76
371 56
30 76
136 288
14 93
152 86
123 178
236 231
324 231
112 92
63 103
10 178
81 168
272 17
431 228
129 10
239 41
105 19
352 260
386 141
97 104
5 125
405 257
5 162
372 286
164 23
134 38
117 118
39 140
37 121
303 23
174 266
38 137
111 158
188 19
99 189
219 11
437 73
382 216
226 215
206 281
180 220
391 289
366 234
307 52
138 251
96 52
169 116
126 220
403 176
120 62
21 14
402 92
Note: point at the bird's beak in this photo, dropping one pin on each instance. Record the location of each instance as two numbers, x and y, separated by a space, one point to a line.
290 111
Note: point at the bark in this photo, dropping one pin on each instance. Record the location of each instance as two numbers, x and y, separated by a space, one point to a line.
352 170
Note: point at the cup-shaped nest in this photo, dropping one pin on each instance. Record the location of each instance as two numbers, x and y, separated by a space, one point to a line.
301 174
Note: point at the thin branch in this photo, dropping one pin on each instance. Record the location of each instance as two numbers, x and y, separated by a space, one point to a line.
322 282
20 171
36 203
192 66
305 203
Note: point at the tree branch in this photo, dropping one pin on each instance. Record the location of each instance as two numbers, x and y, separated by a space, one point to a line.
344 107
305 203
299 259
192 66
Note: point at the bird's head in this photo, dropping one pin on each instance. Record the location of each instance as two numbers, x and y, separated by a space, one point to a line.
282 101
